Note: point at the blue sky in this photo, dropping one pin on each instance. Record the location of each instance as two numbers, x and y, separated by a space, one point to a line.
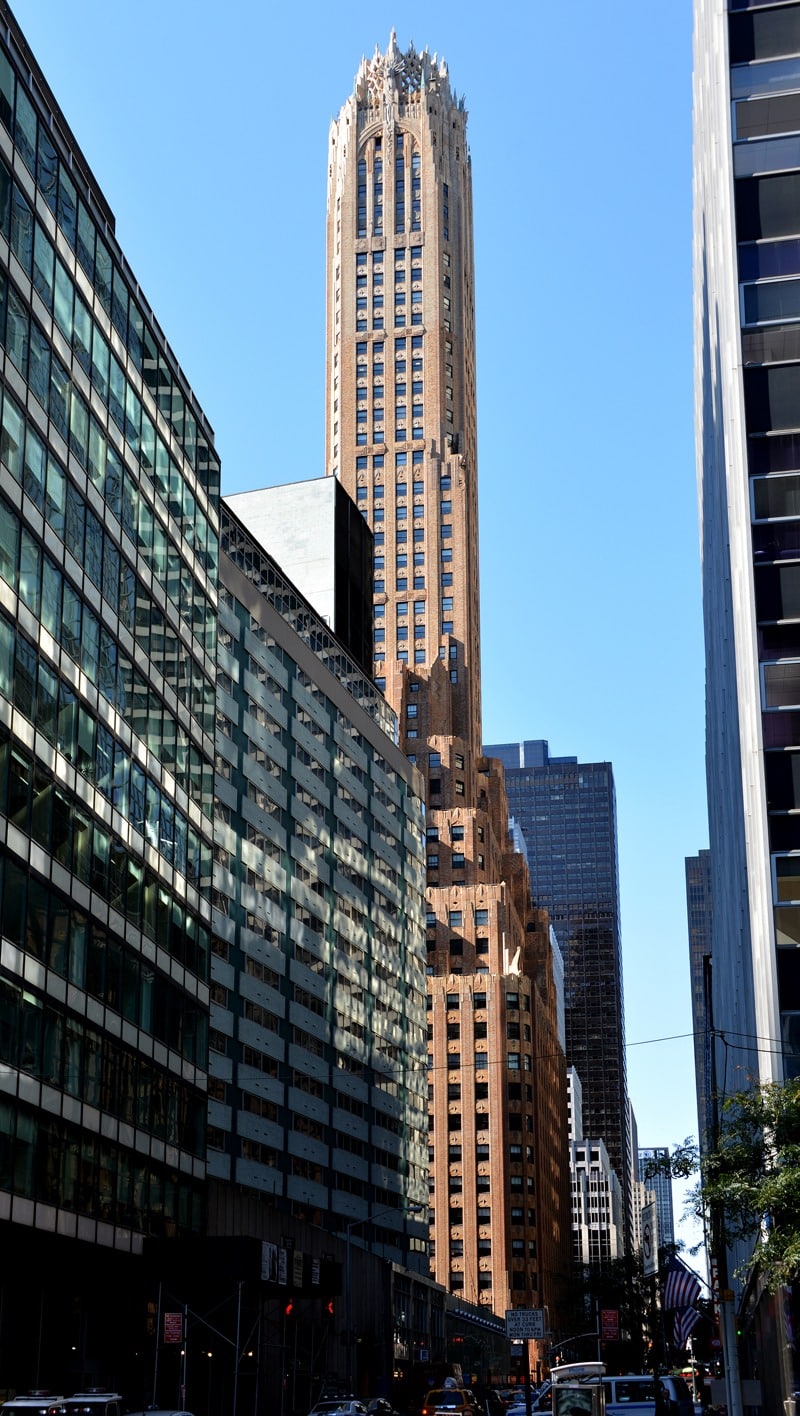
207 128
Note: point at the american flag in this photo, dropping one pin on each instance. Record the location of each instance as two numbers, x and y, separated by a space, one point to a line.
686 1320
681 1287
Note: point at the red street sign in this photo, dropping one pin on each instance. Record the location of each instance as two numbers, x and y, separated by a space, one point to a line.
173 1327
609 1324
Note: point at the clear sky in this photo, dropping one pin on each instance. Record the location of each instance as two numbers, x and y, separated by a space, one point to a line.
207 127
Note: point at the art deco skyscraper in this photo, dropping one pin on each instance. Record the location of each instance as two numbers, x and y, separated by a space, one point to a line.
401 421
401 436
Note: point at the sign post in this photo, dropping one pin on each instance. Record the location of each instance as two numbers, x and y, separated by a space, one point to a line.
525 1324
173 1327
609 1324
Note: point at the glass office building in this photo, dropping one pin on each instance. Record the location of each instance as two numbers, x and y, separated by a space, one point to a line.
109 489
318 1055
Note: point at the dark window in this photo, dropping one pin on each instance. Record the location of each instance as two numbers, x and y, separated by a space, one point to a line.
768 206
756 118
772 398
765 34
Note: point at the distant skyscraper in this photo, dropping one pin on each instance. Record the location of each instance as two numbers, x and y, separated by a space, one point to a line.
597 1207
653 1171
402 438
698 906
567 811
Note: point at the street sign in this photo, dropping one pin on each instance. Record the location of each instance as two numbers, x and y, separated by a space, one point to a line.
609 1324
173 1327
424 1354
525 1323
649 1240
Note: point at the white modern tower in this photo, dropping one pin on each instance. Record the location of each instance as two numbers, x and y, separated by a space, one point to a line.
747 371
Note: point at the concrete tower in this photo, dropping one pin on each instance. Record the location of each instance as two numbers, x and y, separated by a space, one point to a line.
401 437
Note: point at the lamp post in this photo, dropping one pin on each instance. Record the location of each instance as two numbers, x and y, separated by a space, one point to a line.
348 1287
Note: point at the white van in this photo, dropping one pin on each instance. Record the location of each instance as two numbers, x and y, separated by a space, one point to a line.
95 1402
635 1395
35 1403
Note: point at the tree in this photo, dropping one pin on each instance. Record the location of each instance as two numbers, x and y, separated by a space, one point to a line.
750 1181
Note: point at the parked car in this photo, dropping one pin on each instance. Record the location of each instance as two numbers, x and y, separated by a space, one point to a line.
380 1406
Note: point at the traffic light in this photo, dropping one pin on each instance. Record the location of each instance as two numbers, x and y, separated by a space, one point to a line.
288 1308
329 1308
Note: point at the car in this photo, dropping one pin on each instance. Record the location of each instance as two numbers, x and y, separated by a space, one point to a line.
455 1401
339 1406
380 1406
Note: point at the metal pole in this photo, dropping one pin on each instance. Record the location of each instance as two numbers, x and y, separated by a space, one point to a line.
185 1354
258 1357
236 1349
283 1365
597 1320
294 1369
158 1347
348 1312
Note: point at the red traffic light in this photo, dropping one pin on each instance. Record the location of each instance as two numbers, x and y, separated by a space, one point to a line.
329 1307
288 1308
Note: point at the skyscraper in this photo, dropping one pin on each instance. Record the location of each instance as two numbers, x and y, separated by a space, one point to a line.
747 415
568 815
653 1169
401 436
109 490
747 362
401 415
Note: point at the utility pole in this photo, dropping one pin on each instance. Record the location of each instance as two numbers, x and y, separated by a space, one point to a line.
733 1384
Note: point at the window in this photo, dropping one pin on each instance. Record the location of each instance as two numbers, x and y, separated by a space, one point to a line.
456 919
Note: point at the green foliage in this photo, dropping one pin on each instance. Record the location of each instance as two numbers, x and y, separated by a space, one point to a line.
750 1181
682 1162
